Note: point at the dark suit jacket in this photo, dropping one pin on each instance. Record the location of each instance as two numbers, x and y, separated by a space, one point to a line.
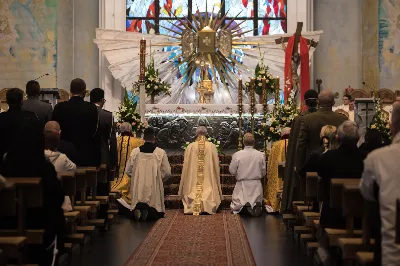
109 154
18 128
345 162
309 136
79 121
289 178
41 109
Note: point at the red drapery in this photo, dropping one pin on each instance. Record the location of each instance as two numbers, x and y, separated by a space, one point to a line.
304 68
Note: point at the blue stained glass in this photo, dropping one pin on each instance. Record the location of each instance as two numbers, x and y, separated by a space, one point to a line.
246 26
272 8
140 8
178 8
201 6
170 24
271 27
244 7
142 26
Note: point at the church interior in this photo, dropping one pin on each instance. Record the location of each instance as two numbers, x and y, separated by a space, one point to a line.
199 132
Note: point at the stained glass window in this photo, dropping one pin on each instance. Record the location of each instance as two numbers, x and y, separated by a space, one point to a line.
234 7
151 16
201 6
140 8
170 8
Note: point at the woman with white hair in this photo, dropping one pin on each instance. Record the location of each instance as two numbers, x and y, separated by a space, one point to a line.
125 144
274 183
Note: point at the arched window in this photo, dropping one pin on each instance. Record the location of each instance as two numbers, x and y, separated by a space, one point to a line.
261 17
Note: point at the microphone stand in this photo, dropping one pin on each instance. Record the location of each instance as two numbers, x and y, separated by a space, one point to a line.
42 76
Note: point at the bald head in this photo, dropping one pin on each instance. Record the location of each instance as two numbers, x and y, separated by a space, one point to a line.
395 122
52 135
326 99
248 139
201 131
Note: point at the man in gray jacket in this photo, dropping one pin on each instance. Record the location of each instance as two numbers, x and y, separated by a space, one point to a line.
33 104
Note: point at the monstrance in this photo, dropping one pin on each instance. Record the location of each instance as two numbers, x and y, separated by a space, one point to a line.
200 43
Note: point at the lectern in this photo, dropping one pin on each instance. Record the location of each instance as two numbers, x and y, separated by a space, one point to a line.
364 112
49 95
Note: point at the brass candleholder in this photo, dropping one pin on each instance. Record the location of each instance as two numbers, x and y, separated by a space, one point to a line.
265 108
142 72
240 109
277 94
252 104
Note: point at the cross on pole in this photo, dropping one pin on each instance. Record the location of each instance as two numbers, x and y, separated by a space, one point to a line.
297 35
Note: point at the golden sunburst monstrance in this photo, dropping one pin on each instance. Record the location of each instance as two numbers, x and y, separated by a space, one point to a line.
206 43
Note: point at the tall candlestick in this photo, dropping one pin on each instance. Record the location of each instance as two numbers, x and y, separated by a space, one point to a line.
277 90
240 109
142 76
252 104
265 108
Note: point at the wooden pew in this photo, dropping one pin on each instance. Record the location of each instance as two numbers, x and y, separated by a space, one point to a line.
311 185
336 191
69 185
398 223
353 207
11 247
336 201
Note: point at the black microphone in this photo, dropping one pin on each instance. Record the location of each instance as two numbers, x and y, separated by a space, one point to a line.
365 84
42 76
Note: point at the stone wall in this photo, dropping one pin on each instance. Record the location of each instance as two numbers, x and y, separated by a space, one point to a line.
338 58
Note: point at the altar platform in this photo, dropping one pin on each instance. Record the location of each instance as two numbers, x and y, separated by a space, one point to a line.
176 124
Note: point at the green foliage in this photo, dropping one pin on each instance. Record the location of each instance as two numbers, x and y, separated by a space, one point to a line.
282 116
261 72
381 121
153 84
127 113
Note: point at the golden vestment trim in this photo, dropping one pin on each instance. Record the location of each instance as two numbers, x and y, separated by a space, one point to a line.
200 176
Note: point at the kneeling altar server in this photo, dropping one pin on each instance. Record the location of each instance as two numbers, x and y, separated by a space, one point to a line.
148 168
249 166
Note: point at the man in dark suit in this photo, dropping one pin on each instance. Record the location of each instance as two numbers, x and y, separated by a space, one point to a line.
79 122
109 155
33 104
17 125
310 130
290 186
345 162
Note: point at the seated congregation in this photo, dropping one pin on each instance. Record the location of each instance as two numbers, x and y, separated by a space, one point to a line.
67 167
340 191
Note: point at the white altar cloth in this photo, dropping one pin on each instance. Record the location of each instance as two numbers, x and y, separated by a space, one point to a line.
202 109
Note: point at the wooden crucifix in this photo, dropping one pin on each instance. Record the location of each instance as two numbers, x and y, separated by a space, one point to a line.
297 35
295 58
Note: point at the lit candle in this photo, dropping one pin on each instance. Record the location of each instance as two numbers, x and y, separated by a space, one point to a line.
276 89
264 90
142 59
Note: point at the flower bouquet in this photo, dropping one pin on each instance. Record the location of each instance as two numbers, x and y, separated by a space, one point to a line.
127 113
261 72
381 121
153 84
216 142
282 116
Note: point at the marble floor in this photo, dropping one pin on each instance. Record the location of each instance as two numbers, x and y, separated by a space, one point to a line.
270 244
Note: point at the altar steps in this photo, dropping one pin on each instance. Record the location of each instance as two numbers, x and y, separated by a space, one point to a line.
171 186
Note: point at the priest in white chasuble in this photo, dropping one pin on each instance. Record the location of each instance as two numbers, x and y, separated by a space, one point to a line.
200 187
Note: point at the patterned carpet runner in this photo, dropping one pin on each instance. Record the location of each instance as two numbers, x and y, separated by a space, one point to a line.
171 186
182 239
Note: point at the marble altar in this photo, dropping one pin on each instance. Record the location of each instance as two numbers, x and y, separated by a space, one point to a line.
176 124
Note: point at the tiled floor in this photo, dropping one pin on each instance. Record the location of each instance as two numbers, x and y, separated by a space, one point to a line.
270 244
